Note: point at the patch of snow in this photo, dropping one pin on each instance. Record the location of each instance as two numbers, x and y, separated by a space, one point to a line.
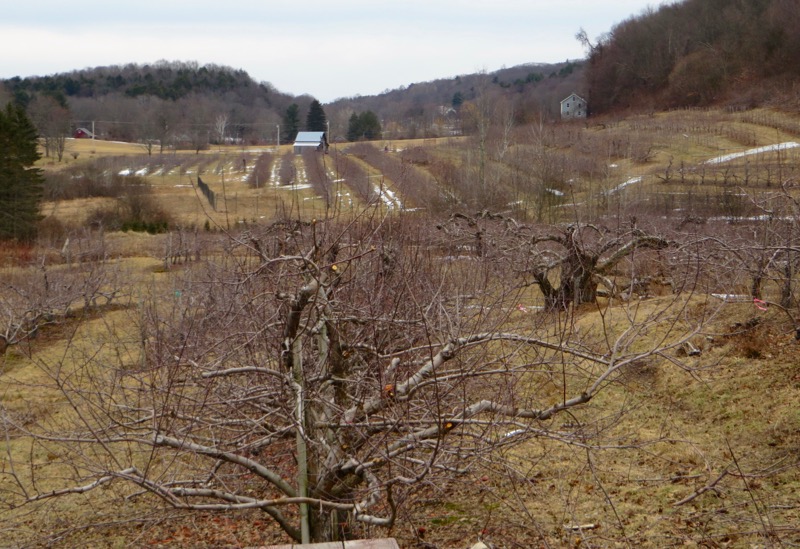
302 177
142 172
631 181
389 198
733 298
274 174
739 219
513 433
344 198
126 171
757 150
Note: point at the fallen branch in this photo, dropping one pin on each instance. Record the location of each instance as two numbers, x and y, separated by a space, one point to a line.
704 489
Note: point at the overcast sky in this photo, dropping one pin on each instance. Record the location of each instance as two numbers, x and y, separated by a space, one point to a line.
328 49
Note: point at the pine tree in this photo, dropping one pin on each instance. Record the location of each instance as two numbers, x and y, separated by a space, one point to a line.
316 121
370 125
20 182
354 128
291 123
364 126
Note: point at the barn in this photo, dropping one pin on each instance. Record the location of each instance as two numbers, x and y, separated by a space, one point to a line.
82 133
305 141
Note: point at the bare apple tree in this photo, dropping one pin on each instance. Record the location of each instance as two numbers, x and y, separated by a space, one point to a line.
37 296
567 263
319 373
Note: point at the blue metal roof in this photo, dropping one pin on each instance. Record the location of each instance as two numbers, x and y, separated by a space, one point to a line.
309 137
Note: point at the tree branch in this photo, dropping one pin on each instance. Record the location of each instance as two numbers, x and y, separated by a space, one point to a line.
255 467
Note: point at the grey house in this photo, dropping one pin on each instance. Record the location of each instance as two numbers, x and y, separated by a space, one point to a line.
573 106
310 141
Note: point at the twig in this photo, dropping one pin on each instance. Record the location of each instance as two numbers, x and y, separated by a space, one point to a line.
710 486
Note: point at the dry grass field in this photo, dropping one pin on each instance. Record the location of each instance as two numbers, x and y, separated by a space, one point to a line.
705 453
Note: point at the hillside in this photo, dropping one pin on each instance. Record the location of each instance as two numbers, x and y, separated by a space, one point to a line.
421 109
511 328
698 53
186 104
661 413
167 102
682 54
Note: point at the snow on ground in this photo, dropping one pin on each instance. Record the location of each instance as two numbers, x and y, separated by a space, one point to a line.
733 298
275 174
757 150
302 177
752 218
345 198
631 181
388 198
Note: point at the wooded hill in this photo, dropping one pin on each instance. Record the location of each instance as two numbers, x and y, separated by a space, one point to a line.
158 102
697 53
691 53
164 80
186 102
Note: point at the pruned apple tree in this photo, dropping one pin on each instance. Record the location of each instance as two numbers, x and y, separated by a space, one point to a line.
41 295
568 263
320 373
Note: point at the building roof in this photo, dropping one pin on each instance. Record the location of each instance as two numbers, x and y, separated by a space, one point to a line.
575 95
309 138
82 131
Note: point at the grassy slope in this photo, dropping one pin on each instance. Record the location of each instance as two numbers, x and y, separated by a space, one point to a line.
736 411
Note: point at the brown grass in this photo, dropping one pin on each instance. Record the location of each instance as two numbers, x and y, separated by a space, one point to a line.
735 409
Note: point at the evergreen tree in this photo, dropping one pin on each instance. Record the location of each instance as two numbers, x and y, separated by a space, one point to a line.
291 123
363 126
353 128
20 182
316 121
370 125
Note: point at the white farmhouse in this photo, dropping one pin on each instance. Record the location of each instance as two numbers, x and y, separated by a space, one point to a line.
573 106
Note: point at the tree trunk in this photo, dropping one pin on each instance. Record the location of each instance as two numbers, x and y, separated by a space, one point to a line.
329 525
577 286
786 289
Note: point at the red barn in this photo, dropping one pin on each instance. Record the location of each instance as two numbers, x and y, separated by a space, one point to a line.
82 133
